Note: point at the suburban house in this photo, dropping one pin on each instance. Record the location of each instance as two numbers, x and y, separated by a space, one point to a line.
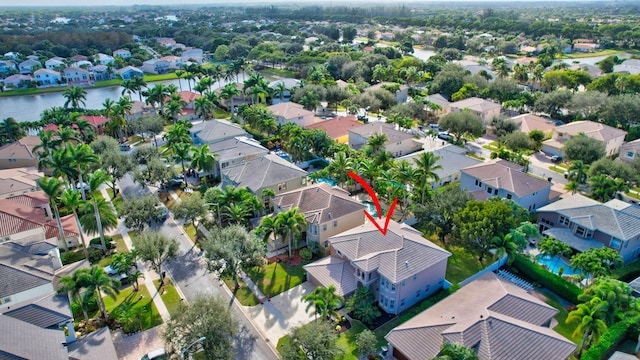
76 75
78 57
585 47
399 142
213 131
484 109
138 109
584 223
20 153
491 316
193 54
155 66
630 66
400 268
174 62
17 81
337 128
289 84
189 98
55 63
19 337
400 96
166 42
630 151
123 53
507 180
84 64
611 137
7 66
129 72
98 122
529 122
328 211
102 72
18 181
267 172
452 159
291 112
234 151
29 66
443 106
104 59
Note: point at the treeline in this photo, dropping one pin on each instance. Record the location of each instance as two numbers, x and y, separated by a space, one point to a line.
62 44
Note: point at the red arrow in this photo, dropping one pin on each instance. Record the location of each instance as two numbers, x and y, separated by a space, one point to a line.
373 195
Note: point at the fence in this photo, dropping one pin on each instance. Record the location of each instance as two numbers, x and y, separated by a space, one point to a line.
493 267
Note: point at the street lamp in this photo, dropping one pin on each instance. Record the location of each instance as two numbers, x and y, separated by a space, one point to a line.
183 352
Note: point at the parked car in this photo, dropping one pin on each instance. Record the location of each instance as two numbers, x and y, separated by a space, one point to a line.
177 181
82 186
125 147
157 354
443 135
363 118
556 158
163 213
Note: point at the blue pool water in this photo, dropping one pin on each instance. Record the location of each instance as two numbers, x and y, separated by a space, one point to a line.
284 155
328 181
371 208
555 263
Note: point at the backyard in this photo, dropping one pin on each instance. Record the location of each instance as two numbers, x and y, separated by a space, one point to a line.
562 328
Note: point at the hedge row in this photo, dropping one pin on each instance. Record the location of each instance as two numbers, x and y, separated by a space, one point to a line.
553 282
628 272
608 341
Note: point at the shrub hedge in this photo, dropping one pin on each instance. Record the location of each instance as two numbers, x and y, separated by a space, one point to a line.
553 282
628 272
70 257
608 341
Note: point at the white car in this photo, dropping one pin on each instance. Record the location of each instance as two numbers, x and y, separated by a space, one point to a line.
157 354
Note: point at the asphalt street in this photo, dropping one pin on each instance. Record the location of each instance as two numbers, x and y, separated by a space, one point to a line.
189 272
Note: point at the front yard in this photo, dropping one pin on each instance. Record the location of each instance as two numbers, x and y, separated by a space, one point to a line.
141 306
169 296
277 277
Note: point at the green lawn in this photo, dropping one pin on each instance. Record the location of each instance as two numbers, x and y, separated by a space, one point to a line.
133 234
32 91
117 202
191 231
579 55
463 264
562 328
105 261
557 169
274 278
159 77
170 296
278 72
347 340
121 247
470 154
243 294
141 299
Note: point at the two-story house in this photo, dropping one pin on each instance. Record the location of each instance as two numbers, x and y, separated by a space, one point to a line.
529 122
337 128
18 181
400 268
286 112
76 75
55 63
484 109
630 151
611 137
328 210
28 66
123 53
234 151
398 143
267 172
213 131
155 66
46 77
104 59
129 72
19 154
584 223
288 83
7 66
508 181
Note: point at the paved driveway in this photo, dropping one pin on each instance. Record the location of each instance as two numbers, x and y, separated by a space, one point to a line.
133 347
285 311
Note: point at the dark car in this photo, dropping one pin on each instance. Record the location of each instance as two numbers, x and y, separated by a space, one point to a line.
125 147
163 213
177 181
556 158
362 118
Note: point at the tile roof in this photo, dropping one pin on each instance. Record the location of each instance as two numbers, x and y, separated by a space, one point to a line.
370 129
21 149
507 322
616 218
502 175
263 172
398 255
216 130
16 280
95 120
289 83
17 217
337 127
22 340
529 122
238 147
319 203
475 104
97 345
452 160
592 129
189 96
39 316
32 199
331 270
289 110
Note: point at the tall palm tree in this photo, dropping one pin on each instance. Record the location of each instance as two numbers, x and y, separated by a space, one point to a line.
53 188
189 76
203 107
178 133
107 107
289 224
340 166
179 75
156 96
73 285
213 100
72 200
47 144
375 144
578 171
74 96
96 281
83 157
96 180
267 228
426 165
60 163
280 90
203 159
128 87
181 154
325 300
138 84
228 92
10 131
588 316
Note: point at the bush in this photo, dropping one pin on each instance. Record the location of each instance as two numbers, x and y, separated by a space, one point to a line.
306 254
95 255
70 257
95 242
608 341
553 282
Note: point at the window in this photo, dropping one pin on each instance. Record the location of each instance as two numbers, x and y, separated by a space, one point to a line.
476 182
489 190
401 302
326 243
5 300
335 223
12 160
508 196
630 154
495 191
615 243
339 253
282 186
415 276
403 282
393 287
427 288
580 231
324 227
418 293
563 220
392 304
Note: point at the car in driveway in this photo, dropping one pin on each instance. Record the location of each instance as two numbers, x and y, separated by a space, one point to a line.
157 354
125 147
556 158
176 181
443 135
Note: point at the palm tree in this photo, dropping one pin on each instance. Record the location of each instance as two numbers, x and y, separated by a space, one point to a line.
427 166
279 90
138 84
235 213
128 87
53 188
375 144
578 171
590 325
179 75
325 300
290 223
10 131
181 154
267 227
178 133
72 200
107 107
203 159
340 166
73 285
603 188
83 156
96 281
453 351
75 96
137 274
47 144
229 91
96 180
156 96
189 76
572 186
203 107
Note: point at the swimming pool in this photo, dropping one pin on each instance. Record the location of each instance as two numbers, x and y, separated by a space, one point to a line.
284 155
554 263
328 181
371 208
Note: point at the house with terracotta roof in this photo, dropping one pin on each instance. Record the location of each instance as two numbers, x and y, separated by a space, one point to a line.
266 172
18 181
98 122
337 128
286 112
400 268
508 181
484 109
189 97
491 316
399 142
630 151
234 151
584 223
529 122
20 153
328 211
611 137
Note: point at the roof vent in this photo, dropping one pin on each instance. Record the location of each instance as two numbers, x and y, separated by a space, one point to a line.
406 263
329 215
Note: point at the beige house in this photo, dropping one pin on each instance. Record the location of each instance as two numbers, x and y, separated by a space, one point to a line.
291 112
400 268
491 316
611 137
398 143
19 154
484 109
630 151
234 151
529 122
18 181
328 211
266 172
